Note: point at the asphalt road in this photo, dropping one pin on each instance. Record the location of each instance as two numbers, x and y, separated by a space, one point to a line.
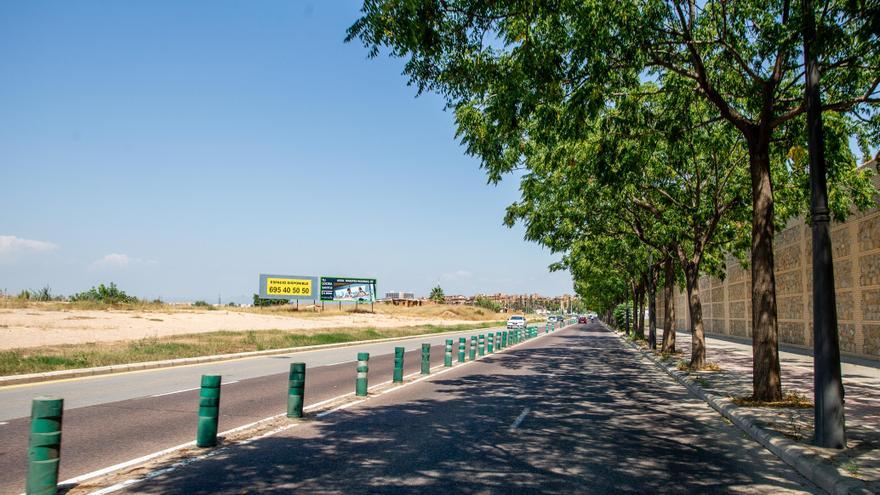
114 418
572 412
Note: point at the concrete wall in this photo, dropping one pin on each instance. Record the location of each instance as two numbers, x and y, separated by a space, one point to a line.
856 247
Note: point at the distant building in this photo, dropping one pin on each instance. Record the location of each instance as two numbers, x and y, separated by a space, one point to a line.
400 298
399 295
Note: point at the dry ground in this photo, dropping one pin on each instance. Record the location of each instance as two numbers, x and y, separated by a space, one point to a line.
45 324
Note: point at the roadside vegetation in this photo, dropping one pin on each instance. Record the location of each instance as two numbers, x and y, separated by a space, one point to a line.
51 358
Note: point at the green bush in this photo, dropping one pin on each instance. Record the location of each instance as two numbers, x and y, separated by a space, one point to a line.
487 303
620 312
268 302
104 294
201 304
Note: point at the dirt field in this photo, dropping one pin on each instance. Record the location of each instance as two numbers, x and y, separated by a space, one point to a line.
36 326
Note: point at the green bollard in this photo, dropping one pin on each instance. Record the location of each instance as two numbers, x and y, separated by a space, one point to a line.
209 411
447 358
426 359
296 384
504 339
482 348
361 384
497 341
398 364
490 344
44 446
462 343
473 347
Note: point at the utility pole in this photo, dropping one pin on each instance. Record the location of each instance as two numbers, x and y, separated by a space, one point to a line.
830 429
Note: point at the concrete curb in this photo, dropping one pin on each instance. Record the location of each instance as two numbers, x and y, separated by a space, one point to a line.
122 368
809 464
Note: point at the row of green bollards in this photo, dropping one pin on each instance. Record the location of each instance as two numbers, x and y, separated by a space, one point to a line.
44 445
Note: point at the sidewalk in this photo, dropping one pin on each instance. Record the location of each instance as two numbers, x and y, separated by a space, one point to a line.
861 458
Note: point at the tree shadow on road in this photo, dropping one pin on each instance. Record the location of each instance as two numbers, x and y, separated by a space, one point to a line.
598 422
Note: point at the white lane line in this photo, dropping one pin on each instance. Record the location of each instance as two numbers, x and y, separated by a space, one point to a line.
189 389
340 408
4 423
340 362
176 392
185 462
519 419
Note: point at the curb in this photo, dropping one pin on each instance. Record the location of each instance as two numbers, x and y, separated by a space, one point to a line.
806 462
147 365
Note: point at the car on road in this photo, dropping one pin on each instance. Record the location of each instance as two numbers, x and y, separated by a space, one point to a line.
554 319
516 321
582 320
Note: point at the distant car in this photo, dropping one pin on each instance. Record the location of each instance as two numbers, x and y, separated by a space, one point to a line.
552 319
516 321
582 320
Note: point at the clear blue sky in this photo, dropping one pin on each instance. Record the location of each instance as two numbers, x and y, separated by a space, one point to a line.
181 148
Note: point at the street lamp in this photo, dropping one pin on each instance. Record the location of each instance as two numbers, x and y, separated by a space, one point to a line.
830 430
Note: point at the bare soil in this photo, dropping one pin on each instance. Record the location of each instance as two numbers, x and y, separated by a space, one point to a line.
37 327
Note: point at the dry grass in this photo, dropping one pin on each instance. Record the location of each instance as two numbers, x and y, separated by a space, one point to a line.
790 399
50 358
15 303
439 311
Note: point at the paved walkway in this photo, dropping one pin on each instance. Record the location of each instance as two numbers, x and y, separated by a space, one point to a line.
861 383
575 411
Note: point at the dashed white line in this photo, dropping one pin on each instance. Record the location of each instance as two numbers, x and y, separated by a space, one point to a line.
519 419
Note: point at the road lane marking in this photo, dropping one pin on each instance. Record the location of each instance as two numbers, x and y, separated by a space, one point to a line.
340 408
189 389
176 392
339 362
185 462
4 423
519 419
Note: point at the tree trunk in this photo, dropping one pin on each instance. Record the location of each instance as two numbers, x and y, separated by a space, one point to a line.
766 381
642 305
668 307
695 306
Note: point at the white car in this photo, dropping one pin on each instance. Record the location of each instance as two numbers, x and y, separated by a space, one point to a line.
516 321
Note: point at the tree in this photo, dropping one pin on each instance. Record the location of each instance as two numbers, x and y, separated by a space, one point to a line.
437 295
533 69
655 169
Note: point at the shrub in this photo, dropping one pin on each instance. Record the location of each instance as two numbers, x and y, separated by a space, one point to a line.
201 304
104 294
268 302
487 303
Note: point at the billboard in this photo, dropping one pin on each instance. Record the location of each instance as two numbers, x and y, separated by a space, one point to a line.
288 287
348 289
